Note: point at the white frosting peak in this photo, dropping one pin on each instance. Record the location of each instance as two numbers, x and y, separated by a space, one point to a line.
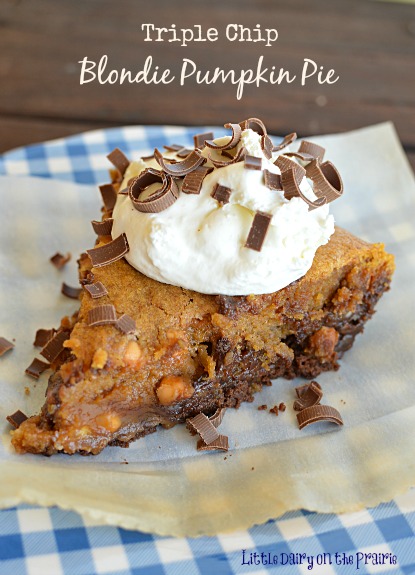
199 244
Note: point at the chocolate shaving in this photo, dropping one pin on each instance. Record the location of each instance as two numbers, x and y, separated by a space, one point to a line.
43 336
16 419
159 200
36 368
183 153
318 413
221 194
254 124
109 196
104 227
253 163
54 347
5 345
327 183
308 395
217 417
258 231
87 277
102 315
126 324
110 252
221 164
96 290
119 160
292 189
204 427
285 164
71 292
173 148
233 141
199 139
272 181
147 158
178 169
267 146
60 260
300 155
192 183
221 442
312 149
289 139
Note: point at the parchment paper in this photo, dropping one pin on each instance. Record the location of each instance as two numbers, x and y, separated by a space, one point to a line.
167 486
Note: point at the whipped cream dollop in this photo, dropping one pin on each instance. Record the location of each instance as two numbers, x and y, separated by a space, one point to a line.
199 244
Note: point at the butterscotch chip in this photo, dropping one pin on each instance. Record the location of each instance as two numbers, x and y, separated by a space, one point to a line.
173 388
133 353
100 359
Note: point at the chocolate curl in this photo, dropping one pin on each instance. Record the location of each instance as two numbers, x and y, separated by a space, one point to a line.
253 163
326 179
254 124
272 181
312 149
179 169
267 146
119 160
289 139
102 228
308 395
284 164
36 368
96 290
110 252
70 291
159 200
102 315
318 413
234 139
54 347
238 158
5 345
200 139
192 183
109 196
59 260
291 188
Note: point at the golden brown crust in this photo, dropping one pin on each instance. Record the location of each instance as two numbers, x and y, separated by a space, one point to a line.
217 350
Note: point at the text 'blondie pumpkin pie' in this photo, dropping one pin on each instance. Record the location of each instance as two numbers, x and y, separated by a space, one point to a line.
216 269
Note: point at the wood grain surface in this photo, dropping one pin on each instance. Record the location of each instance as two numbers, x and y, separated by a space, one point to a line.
370 45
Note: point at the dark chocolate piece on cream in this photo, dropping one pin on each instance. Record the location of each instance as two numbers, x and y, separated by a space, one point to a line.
233 141
199 139
179 169
102 315
54 347
110 252
126 324
313 149
109 195
317 413
36 368
192 183
292 189
284 164
160 199
70 291
17 418
221 194
119 160
253 163
173 148
103 227
272 181
327 182
59 260
5 345
288 139
258 231
254 124
96 290
267 146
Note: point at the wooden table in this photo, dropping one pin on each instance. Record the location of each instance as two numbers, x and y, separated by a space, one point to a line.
370 45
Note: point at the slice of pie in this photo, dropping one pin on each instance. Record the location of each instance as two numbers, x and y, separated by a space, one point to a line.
142 353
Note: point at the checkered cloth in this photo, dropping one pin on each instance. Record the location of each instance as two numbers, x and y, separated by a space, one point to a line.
40 541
